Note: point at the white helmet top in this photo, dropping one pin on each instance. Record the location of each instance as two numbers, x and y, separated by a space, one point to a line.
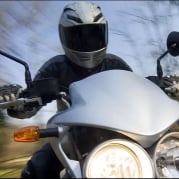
83 31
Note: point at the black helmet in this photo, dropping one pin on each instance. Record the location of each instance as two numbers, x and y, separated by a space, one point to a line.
83 31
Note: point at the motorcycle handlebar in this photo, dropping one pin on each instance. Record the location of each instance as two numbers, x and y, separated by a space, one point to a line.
19 103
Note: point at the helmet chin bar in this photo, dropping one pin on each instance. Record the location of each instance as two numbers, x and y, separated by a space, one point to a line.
86 59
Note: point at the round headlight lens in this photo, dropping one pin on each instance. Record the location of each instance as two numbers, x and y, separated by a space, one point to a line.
166 156
118 159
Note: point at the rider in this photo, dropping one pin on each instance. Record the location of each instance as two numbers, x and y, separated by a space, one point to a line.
83 31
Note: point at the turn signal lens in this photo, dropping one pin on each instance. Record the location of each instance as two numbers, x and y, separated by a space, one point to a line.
27 134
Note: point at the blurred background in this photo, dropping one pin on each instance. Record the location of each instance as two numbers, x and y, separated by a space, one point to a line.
29 30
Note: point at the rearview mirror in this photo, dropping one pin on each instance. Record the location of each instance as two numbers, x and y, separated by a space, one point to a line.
173 43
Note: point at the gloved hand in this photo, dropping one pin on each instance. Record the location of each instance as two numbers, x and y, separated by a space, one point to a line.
172 86
10 92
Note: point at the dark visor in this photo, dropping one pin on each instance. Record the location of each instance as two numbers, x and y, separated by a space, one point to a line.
84 38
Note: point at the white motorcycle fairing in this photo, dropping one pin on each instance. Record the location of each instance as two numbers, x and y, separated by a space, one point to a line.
121 101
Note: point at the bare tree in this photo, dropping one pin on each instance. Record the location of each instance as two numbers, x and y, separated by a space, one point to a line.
154 25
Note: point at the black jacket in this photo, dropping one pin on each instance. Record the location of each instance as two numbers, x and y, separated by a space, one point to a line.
66 72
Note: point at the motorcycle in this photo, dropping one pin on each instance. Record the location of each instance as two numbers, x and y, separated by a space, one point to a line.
118 124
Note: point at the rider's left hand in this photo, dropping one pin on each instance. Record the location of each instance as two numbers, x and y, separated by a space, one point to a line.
172 86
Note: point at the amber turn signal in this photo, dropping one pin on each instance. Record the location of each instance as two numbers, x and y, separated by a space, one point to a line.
27 134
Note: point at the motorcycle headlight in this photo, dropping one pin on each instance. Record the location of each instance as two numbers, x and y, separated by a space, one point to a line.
118 159
166 156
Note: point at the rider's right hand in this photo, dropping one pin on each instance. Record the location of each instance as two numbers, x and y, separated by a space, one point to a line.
10 92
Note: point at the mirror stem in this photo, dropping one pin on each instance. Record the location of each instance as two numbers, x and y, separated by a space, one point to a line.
159 67
28 78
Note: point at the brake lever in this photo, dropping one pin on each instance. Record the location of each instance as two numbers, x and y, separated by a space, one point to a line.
20 103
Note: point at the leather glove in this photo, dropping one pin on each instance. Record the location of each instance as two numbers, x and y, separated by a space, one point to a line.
172 86
10 92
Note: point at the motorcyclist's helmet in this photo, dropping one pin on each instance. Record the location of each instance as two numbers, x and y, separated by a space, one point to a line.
83 32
